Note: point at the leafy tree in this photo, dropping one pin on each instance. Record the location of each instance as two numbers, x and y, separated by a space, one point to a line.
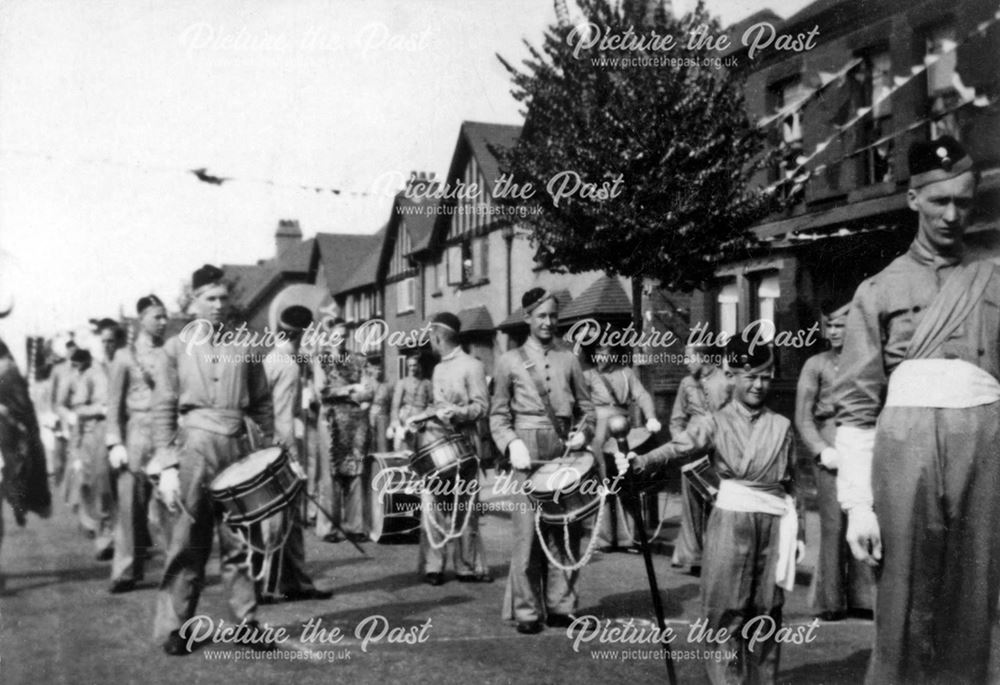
678 136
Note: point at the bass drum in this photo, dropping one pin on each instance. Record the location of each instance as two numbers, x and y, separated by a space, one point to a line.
391 496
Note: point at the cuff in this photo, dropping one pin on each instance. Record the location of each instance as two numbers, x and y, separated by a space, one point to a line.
856 447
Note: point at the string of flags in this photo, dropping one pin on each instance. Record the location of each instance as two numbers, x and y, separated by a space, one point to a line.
966 94
202 174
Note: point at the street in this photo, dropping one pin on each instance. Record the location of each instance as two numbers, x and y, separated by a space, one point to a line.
383 624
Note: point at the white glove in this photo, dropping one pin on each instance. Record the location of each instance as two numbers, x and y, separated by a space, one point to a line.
299 429
864 535
653 426
576 440
622 462
829 458
118 456
389 432
77 465
445 414
72 419
800 551
170 488
520 458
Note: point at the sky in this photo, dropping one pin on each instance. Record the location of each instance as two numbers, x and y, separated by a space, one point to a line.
105 106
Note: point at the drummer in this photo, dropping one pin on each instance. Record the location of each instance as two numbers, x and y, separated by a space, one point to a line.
755 534
411 396
288 579
460 400
203 394
539 391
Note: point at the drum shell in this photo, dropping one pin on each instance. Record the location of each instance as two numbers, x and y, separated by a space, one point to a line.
261 494
443 455
703 479
563 496
394 508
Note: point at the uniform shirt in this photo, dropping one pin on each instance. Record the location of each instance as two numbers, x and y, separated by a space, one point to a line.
703 394
753 445
814 398
885 312
284 381
130 384
209 377
515 393
86 393
625 388
411 397
459 380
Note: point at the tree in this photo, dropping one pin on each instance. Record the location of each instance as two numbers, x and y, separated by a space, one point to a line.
677 136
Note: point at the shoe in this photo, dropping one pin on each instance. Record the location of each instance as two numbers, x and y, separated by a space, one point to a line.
831 616
308 593
632 549
357 537
122 585
175 645
529 627
434 579
106 554
259 645
695 570
333 537
474 578
862 614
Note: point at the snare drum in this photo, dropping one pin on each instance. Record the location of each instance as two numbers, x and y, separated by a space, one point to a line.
256 487
442 454
392 495
566 489
703 479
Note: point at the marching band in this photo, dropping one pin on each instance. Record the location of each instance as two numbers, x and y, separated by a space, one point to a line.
172 442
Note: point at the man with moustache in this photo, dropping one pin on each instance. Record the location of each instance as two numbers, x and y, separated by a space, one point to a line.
841 583
705 389
460 400
288 579
345 396
755 532
130 441
539 393
918 414
203 393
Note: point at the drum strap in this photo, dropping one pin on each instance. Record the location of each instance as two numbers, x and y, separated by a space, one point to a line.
611 391
543 394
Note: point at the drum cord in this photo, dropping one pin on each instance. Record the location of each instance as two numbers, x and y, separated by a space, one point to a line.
266 553
576 565
430 521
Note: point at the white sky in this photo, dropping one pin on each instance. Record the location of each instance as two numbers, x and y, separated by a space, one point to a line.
335 94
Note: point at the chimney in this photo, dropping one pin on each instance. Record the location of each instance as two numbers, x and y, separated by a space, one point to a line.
420 184
287 236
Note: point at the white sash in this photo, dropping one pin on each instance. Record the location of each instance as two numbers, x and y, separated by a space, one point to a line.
941 383
735 496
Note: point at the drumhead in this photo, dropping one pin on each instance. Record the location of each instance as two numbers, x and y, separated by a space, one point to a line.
563 474
247 468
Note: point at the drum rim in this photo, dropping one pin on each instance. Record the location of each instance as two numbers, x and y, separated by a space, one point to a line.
270 468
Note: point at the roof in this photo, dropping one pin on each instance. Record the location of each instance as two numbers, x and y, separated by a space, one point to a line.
480 137
517 317
250 282
367 272
604 298
298 258
340 254
736 30
476 319
419 224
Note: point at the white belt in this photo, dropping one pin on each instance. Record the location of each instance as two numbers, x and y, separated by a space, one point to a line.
941 383
735 496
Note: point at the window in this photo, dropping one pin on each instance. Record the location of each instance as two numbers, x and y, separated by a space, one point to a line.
350 310
768 291
939 41
400 262
440 273
406 295
876 77
484 258
726 303
784 95
400 368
